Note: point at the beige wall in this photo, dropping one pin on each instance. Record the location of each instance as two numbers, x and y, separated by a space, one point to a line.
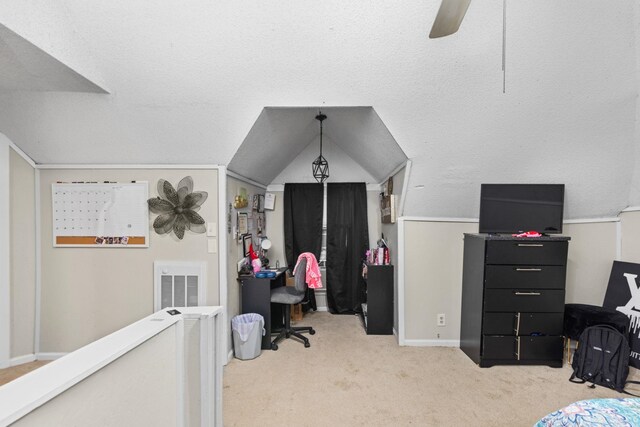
234 246
390 232
142 385
433 278
87 293
22 254
433 270
630 226
275 226
592 250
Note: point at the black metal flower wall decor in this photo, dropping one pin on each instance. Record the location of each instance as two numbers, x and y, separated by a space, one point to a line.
176 208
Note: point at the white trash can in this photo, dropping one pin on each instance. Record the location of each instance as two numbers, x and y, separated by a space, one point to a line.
248 330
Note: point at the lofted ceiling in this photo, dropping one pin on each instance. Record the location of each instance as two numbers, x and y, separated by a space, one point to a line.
25 67
279 135
189 82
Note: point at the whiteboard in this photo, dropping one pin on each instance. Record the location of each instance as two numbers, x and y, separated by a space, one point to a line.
100 214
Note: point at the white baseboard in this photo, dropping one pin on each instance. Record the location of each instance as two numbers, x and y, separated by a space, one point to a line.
432 343
229 356
322 309
4 364
22 359
49 356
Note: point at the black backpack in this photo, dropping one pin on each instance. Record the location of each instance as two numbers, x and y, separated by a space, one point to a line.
602 358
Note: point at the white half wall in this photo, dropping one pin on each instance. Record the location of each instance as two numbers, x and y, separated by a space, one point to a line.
143 385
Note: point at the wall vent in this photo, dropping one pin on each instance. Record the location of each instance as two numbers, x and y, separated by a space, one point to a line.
179 284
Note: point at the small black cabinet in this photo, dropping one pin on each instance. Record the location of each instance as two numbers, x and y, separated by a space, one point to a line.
513 293
377 308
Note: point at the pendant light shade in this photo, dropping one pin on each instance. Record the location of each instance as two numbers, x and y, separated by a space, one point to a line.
320 166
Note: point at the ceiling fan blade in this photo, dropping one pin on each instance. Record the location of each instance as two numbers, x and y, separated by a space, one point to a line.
449 18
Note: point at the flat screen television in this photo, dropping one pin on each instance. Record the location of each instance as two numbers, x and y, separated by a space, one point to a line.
515 208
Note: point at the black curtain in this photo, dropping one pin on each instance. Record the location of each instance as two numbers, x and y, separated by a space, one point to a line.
303 224
347 242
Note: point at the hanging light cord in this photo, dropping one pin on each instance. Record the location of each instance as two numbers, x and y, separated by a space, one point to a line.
320 134
504 46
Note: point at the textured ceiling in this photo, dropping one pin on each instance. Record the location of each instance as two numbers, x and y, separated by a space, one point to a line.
25 67
281 134
188 81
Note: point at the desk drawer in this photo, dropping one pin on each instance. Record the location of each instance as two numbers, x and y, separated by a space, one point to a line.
522 348
524 300
522 323
525 252
525 276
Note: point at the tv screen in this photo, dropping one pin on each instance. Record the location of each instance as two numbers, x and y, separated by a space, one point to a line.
515 208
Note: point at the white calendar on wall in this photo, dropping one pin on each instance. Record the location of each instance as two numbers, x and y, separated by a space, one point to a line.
100 214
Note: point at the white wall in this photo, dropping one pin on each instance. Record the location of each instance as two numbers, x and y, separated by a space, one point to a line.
192 93
22 256
342 168
90 292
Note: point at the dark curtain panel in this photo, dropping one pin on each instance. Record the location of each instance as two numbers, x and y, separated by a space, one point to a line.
347 242
303 224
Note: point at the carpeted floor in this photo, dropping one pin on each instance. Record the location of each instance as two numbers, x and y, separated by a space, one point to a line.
347 378
10 374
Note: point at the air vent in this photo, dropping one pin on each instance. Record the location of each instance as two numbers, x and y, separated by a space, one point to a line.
179 284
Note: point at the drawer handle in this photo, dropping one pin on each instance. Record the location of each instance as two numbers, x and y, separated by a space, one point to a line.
535 294
518 352
517 330
531 245
528 269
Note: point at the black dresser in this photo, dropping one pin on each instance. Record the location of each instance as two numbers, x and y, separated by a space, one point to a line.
513 299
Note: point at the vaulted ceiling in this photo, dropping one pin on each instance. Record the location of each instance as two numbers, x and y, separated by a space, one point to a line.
281 134
189 81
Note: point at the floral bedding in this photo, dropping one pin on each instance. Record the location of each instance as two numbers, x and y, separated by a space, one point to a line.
595 412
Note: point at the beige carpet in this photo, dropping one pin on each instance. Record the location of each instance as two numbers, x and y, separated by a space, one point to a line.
347 378
10 374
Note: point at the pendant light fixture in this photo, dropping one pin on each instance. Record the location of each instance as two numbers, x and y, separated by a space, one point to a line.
320 166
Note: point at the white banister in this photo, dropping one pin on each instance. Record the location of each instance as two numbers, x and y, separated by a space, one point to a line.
33 393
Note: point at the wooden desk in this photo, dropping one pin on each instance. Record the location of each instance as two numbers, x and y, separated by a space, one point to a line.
255 297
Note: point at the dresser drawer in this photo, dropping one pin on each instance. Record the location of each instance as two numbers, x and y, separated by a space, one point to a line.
525 276
522 348
540 348
522 323
524 300
526 252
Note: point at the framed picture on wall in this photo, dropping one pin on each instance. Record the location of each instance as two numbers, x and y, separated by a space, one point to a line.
261 203
246 244
243 223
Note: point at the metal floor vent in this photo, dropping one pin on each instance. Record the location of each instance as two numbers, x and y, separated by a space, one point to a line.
178 284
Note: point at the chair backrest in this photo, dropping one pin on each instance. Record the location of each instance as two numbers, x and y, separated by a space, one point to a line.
300 278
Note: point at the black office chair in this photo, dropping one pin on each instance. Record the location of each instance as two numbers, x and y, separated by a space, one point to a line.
288 295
